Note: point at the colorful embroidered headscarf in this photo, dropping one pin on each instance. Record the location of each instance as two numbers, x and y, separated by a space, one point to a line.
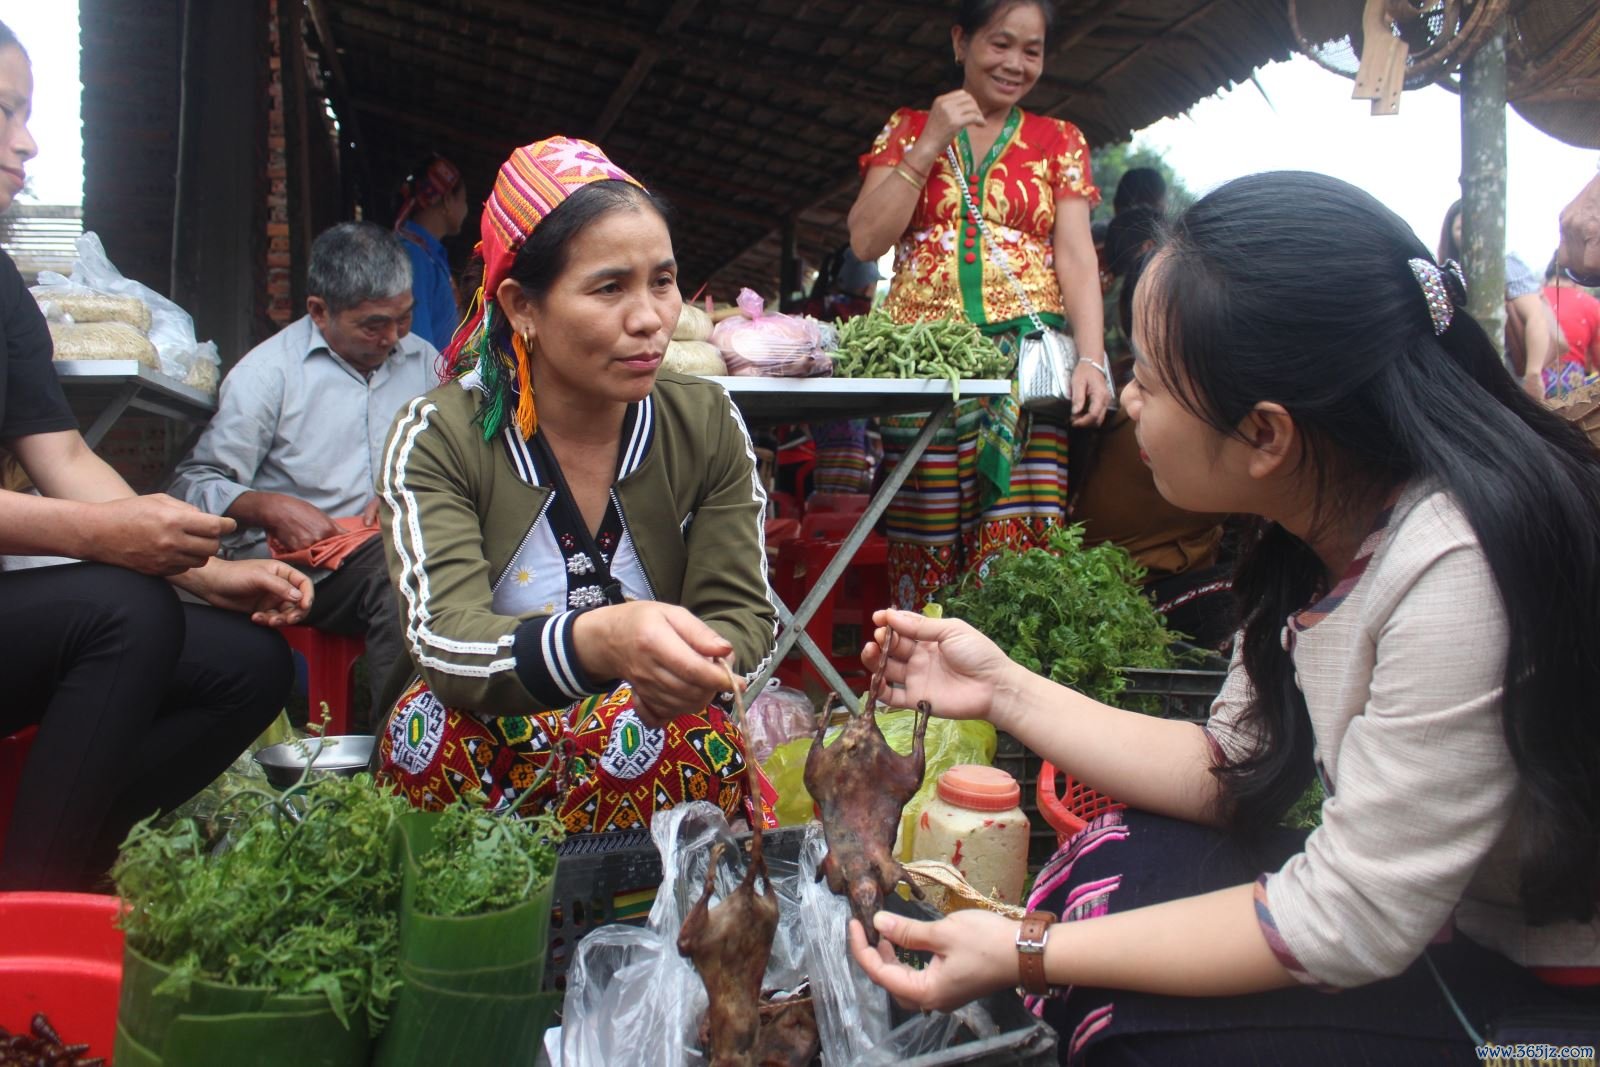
531 184
430 184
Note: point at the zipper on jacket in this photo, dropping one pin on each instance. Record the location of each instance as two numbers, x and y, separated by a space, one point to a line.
522 544
622 516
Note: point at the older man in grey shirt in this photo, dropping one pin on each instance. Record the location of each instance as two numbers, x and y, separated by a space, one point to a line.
299 432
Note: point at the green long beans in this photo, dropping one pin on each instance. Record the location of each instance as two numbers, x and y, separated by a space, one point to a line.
873 346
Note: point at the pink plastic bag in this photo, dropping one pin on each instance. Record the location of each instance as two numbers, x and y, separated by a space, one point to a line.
758 344
779 714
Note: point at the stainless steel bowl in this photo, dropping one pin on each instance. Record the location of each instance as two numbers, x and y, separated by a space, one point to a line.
342 755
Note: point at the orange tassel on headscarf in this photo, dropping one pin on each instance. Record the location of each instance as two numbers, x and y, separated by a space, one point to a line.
527 418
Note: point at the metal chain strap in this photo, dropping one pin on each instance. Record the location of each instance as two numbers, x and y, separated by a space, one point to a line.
988 245
999 260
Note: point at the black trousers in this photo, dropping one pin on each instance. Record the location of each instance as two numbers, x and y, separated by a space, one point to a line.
140 702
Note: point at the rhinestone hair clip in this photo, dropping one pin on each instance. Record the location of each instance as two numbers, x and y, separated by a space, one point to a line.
1430 276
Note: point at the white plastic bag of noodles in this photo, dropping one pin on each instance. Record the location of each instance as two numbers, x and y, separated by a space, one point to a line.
632 999
171 327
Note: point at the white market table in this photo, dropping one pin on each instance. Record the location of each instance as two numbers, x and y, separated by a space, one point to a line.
109 387
776 400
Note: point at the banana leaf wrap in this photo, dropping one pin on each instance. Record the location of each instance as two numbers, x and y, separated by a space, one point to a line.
212 1023
467 981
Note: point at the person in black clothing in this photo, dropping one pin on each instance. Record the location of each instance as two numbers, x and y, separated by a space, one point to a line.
1141 204
140 700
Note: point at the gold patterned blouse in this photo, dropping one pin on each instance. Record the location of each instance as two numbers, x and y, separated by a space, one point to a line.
941 267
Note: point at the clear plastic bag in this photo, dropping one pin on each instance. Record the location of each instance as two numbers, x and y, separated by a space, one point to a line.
632 999
171 327
852 1011
760 344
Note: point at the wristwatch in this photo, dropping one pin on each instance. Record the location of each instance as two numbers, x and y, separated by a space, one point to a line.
1031 938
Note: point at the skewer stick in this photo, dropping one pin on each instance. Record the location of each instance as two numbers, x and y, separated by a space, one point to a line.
738 695
744 755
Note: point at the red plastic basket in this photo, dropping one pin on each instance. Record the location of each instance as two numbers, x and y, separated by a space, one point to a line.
1074 807
60 954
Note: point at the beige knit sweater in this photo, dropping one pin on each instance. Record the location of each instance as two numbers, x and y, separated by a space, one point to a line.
1403 681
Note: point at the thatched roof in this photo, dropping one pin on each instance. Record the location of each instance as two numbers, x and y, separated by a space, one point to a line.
745 114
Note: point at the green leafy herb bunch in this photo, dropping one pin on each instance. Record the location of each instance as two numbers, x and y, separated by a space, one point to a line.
301 900
1075 615
485 862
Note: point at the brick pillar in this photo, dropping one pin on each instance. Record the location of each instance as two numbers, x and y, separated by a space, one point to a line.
280 263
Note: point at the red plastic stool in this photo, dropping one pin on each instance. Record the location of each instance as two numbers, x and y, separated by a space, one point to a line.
1074 807
832 526
13 756
847 503
862 589
803 458
330 663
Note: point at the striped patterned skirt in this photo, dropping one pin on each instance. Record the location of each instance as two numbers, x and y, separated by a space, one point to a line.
937 527
993 479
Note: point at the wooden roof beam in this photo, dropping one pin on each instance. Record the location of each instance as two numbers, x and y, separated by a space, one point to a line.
1179 29
643 63
361 25
1081 26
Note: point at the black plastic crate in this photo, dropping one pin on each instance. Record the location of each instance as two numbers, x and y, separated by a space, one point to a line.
600 879
604 878
1176 694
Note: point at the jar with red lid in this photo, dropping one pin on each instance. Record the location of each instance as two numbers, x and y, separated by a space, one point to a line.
976 824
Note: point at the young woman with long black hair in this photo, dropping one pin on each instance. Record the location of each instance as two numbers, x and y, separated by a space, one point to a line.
1420 633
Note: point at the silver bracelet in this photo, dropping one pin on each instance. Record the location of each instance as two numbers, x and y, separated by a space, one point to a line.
1103 368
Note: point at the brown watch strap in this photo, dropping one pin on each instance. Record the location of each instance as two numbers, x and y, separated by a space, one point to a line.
1030 952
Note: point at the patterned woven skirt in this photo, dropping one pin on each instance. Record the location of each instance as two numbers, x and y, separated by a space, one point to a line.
993 479
1566 377
844 457
594 765
1131 859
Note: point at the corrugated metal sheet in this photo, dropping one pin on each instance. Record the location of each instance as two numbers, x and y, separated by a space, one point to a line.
40 237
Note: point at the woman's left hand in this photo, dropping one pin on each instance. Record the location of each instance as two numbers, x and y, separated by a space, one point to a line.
974 954
1091 397
270 591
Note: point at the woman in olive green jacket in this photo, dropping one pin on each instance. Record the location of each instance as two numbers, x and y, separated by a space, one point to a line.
578 577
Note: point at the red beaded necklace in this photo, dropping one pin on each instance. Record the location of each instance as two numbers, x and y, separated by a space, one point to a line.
972 193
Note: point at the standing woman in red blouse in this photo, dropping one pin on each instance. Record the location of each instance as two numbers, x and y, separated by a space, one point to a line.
998 479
